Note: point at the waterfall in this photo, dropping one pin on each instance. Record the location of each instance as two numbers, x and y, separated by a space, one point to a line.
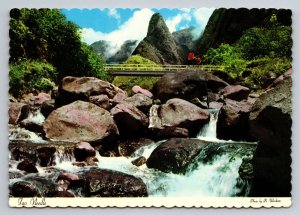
214 172
209 130
21 134
36 116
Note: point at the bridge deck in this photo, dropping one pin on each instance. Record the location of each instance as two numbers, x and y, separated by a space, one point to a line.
155 70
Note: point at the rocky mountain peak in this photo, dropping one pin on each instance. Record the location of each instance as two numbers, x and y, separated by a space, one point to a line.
159 45
157 26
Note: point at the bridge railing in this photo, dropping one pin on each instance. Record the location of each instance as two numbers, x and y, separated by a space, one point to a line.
160 68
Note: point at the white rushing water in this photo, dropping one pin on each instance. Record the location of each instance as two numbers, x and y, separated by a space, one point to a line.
36 117
17 133
209 130
218 177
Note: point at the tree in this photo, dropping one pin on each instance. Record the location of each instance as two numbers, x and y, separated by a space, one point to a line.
45 35
226 55
275 41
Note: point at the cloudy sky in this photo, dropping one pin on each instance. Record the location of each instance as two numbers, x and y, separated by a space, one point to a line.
119 25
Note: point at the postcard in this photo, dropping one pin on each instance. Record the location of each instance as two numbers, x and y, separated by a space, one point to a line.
115 107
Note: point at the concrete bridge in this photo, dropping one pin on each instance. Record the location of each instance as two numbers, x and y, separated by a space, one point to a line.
155 70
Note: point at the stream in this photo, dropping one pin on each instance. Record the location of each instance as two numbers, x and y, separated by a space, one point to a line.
214 175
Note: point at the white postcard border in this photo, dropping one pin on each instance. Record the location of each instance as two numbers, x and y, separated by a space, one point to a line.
205 202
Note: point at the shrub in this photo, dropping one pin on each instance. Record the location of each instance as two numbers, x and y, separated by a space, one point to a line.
265 70
226 55
31 76
257 58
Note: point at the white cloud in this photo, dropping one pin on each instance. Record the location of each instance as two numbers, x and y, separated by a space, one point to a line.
133 29
136 27
174 22
89 35
114 13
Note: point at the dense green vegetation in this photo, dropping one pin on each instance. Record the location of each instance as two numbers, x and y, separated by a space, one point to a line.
127 82
44 37
259 56
31 76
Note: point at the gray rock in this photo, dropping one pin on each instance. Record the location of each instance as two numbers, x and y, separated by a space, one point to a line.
74 88
101 101
140 101
130 120
175 155
270 124
187 85
108 183
83 150
235 92
178 113
81 121
233 121
17 112
139 161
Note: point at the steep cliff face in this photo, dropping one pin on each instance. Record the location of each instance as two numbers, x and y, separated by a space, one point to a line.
124 53
100 47
184 37
159 45
228 25
184 40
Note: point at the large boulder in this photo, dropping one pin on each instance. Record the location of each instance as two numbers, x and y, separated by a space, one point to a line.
233 120
24 189
235 92
130 120
80 121
140 101
17 112
175 155
187 85
33 186
177 113
81 88
108 183
270 123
